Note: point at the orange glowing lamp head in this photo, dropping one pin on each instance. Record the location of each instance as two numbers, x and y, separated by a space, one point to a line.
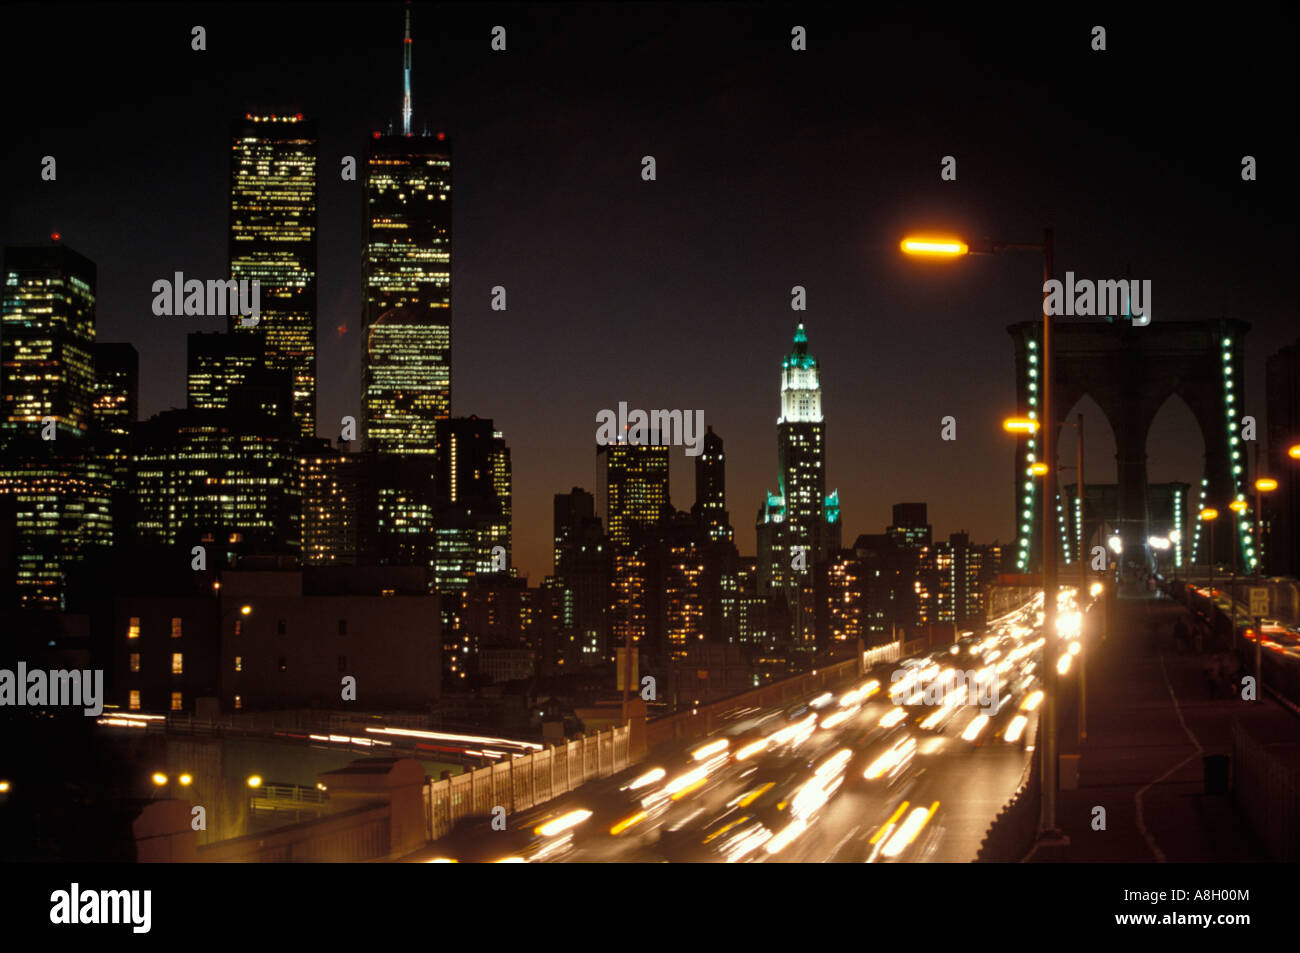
1020 425
934 247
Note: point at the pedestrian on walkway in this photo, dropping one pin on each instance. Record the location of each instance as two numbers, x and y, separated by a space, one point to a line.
1213 673
1231 668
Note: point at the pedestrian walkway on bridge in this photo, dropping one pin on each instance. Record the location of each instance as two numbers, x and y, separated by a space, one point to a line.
1151 718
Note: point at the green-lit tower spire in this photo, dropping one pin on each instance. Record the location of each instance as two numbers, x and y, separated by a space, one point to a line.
799 524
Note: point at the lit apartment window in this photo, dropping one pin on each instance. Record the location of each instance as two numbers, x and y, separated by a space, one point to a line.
176 701
178 663
239 701
135 700
133 628
239 626
176 628
239 663
135 661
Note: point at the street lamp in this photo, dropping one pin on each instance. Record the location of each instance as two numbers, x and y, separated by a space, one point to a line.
1039 468
948 247
1209 515
1020 425
1263 485
1238 507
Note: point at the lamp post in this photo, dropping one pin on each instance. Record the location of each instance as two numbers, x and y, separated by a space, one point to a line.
1238 507
1077 424
1263 485
1209 515
1083 584
949 248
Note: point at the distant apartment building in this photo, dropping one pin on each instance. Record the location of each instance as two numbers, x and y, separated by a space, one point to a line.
266 640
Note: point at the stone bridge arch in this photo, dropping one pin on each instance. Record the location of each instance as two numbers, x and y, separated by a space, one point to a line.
1130 372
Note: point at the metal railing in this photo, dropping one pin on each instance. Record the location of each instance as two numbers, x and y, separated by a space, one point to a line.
1267 792
297 719
524 782
1011 835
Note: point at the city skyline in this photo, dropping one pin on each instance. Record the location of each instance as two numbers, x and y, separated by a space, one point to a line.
862 301
592 433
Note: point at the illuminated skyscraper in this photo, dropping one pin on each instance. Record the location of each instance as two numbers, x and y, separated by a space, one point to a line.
911 528
473 490
582 569
59 491
221 478
710 509
47 338
329 504
799 525
406 291
218 363
636 488
117 389
273 240
62 508
229 372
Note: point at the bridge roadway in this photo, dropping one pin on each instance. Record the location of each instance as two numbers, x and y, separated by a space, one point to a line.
910 771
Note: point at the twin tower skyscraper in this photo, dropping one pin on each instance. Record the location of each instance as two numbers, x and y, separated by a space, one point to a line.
406 267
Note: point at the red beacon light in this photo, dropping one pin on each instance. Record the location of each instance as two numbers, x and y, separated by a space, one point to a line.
55 236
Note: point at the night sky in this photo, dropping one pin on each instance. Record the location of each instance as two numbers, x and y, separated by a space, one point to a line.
775 168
